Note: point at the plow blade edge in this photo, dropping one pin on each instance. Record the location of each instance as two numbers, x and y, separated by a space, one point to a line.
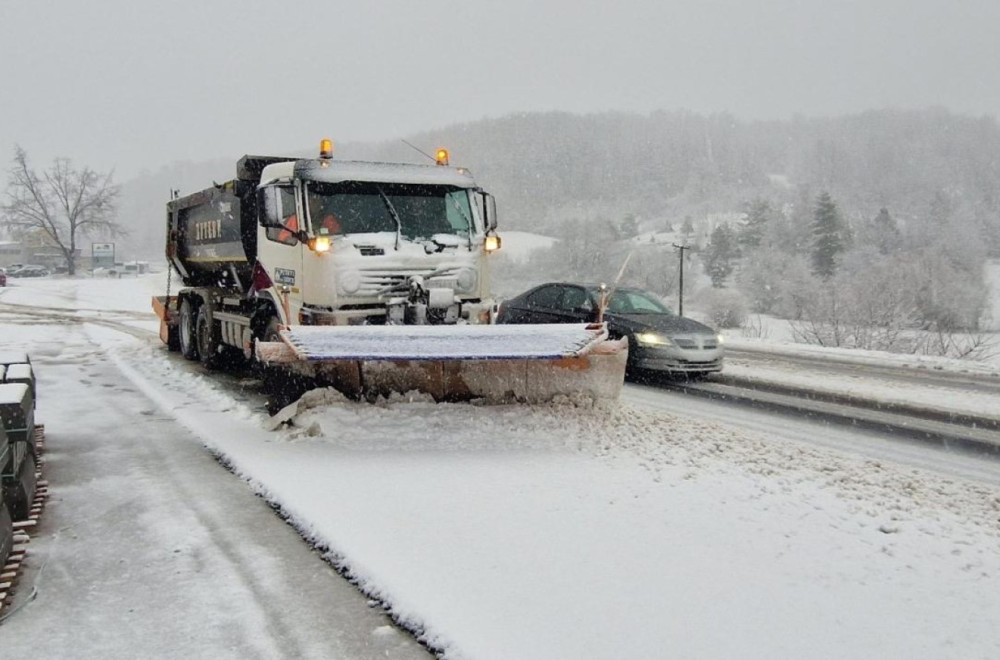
499 363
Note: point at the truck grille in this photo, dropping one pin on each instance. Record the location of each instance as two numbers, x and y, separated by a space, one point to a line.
375 282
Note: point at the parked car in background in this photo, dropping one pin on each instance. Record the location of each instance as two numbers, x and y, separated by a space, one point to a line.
119 269
29 271
658 339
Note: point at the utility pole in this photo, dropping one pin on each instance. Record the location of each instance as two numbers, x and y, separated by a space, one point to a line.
680 288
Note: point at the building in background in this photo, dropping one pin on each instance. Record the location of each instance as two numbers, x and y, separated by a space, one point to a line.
11 252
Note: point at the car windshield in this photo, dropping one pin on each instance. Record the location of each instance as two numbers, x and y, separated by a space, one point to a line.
360 207
630 301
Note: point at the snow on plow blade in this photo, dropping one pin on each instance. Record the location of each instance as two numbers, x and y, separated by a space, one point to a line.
530 363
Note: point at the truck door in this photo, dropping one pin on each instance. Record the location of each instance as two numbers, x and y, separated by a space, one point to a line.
281 251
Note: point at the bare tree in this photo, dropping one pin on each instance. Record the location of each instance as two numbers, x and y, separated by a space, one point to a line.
62 204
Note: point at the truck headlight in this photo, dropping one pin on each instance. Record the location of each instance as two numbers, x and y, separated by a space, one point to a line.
720 338
653 339
350 282
466 280
320 244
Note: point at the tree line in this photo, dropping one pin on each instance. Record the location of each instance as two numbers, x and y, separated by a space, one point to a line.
596 180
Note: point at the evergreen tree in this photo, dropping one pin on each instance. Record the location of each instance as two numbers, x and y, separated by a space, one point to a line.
829 237
720 255
759 214
886 232
687 229
629 226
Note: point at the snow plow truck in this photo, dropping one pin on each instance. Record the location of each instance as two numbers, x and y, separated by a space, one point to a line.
368 277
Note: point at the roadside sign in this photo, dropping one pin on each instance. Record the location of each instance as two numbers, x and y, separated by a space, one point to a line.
102 255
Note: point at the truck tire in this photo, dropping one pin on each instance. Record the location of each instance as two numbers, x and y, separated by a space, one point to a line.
186 330
173 338
20 492
6 534
281 386
271 331
207 338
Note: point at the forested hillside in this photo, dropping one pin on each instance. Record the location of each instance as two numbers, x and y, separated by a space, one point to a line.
800 218
668 165
662 167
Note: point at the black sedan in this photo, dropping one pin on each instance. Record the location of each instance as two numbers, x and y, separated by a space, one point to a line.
658 339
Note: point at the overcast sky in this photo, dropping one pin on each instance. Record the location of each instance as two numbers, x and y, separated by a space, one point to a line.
129 85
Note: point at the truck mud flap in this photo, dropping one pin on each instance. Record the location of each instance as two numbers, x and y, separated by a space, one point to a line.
164 307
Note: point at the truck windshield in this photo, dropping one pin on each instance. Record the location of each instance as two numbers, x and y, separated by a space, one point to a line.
356 207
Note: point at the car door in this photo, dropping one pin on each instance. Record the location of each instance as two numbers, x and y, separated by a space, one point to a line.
575 305
539 306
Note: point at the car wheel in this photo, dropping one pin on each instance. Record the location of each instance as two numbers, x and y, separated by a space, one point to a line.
189 349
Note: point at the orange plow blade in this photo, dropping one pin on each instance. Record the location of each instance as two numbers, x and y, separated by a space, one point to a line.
497 363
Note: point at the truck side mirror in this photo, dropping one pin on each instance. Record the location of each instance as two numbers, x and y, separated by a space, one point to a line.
489 211
268 211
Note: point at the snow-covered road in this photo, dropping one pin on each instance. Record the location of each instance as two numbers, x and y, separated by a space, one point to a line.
148 549
904 451
567 531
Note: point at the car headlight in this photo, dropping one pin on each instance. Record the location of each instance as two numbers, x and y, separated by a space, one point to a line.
653 339
720 338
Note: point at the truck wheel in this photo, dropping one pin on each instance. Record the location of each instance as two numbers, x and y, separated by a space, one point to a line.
189 348
173 338
271 331
207 339
281 386
19 494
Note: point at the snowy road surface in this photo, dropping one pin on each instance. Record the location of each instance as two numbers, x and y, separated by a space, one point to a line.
890 381
874 445
148 548
569 532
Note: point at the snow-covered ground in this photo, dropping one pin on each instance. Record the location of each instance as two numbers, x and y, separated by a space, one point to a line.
765 333
577 531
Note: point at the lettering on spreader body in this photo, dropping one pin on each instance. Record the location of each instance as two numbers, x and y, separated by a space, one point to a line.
204 231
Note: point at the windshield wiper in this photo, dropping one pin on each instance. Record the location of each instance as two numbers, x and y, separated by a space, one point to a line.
392 212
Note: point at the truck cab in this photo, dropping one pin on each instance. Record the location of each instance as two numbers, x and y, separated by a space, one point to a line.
322 242
348 242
